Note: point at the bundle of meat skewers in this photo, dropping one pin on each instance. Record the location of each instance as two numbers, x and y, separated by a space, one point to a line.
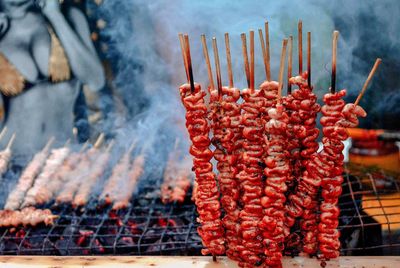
269 170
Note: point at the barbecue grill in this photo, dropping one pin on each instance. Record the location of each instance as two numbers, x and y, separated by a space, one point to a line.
148 227
262 188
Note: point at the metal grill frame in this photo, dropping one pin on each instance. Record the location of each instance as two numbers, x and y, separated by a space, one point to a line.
147 210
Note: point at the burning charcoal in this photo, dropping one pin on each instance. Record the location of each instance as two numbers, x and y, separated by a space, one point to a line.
126 242
97 247
135 228
84 237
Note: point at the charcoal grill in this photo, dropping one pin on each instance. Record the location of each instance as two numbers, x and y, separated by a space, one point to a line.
148 227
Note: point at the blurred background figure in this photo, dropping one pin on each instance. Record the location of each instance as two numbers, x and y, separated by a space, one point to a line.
46 57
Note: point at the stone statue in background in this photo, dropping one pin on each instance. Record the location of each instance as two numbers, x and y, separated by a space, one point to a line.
45 58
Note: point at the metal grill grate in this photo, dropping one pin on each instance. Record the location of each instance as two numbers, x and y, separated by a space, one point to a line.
370 207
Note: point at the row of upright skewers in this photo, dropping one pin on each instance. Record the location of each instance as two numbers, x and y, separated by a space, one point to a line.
67 176
64 176
269 170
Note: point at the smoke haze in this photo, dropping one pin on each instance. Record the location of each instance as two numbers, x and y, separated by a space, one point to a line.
142 36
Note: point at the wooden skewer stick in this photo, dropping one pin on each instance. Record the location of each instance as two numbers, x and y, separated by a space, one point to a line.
229 60
49 143
217 66
264 52
300 45
184 56
309 58
252 59
371 74
208 63
133 145
67 143
99 141
189 62
84 146
282 67
290 62
11 142
267 51
334 52
245 58
3 132
110 146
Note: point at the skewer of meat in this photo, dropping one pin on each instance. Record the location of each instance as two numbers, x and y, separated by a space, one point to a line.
226 119
303 113
28 216
251 175
5 156
80 173
124 194
83 194
207 194
169 176
61 174
3 132
37 195
336 117
295 128
16 197
176 179
118 175
302 200
309 109
277 172
179 187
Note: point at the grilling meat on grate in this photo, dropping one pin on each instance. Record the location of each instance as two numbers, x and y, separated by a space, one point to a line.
60 176
38 193
99 167
118 175
124 193
16 197
336 116
177 178
28 216
207 194
67 193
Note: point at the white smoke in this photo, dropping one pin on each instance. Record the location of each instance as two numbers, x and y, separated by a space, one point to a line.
143 35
